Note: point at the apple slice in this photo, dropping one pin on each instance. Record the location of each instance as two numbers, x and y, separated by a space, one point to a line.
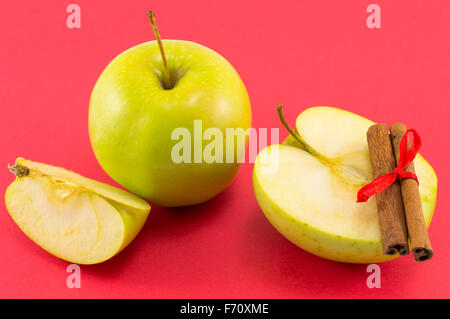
70 216
311 197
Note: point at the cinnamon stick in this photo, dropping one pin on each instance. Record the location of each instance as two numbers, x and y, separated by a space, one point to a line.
417 231
391 215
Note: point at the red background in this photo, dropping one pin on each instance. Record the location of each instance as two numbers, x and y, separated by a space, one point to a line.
300 53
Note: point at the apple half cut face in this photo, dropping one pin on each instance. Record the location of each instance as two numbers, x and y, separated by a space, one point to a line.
70 216
311 197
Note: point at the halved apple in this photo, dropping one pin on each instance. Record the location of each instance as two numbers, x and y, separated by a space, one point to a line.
70 216
311 197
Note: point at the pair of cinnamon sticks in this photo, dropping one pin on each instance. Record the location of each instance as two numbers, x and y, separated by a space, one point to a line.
399 206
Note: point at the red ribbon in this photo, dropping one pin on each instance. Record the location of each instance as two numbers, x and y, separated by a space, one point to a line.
406 157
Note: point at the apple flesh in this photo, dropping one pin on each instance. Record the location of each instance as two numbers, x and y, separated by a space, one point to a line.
311 198
132 116
73 217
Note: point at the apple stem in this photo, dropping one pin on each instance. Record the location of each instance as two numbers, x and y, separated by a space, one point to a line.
299 139
286 125
19 170
151 16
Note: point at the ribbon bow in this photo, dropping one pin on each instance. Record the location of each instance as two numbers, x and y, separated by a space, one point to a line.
379 184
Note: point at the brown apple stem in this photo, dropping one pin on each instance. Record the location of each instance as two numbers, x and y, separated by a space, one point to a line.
19 170
167 82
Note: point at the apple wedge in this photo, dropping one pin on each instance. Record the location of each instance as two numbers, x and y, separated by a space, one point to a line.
70 216
311 197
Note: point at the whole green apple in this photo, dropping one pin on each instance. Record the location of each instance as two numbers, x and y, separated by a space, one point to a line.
133 114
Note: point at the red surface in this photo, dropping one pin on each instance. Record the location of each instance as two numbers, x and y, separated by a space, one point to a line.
301 53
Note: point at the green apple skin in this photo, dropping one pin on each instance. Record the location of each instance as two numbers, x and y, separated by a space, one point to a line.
316 241
321 243
132 116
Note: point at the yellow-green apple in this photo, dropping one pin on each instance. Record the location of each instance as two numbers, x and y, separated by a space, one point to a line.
70 216
134 113
311 197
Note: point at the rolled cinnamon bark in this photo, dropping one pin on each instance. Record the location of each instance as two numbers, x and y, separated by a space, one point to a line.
391 215
417 231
